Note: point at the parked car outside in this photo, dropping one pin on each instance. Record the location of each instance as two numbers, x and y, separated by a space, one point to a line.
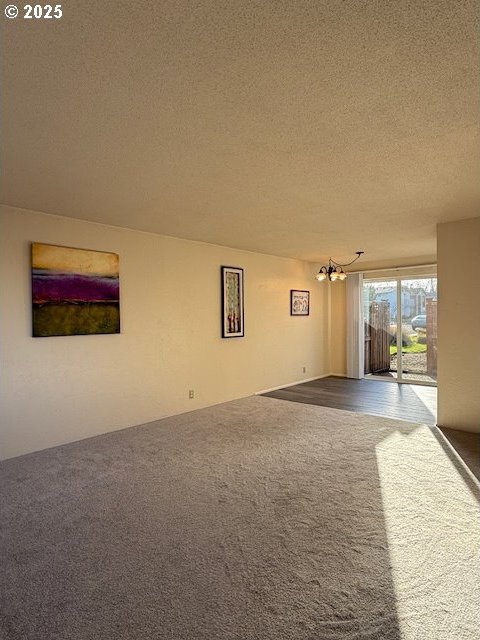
419 322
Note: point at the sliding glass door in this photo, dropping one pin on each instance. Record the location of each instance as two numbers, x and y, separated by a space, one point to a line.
400 317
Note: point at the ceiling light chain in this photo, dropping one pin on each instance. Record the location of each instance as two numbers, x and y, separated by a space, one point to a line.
334 270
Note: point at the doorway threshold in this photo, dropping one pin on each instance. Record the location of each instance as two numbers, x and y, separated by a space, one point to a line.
391 378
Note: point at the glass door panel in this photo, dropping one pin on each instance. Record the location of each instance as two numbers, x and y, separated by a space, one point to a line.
419 329
380 318
400 318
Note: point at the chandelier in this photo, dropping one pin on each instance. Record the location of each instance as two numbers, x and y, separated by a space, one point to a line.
334 270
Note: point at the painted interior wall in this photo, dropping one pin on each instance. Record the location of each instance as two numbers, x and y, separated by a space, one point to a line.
338 328
61 389
458 245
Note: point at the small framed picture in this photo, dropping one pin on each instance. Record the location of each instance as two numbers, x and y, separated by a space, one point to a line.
232 302
299 303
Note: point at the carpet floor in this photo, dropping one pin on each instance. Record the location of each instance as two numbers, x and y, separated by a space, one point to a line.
255 519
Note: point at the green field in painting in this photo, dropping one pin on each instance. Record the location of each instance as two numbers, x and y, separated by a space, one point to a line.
75 319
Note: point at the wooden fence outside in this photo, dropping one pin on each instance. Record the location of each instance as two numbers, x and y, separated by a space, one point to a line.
377 338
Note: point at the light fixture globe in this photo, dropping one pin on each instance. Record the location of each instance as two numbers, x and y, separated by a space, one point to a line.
334 270
322 274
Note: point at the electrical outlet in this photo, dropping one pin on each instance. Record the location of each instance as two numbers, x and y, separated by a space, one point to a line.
304 369
191 394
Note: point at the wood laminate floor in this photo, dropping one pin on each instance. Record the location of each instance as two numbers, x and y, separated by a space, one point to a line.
411 402
414 403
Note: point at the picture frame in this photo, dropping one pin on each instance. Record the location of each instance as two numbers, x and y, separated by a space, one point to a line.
299 302
74 291
232 302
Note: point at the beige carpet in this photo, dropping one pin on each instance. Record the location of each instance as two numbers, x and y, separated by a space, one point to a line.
255 519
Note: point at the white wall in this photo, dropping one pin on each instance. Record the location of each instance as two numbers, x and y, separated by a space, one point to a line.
60 389
338 327
458 256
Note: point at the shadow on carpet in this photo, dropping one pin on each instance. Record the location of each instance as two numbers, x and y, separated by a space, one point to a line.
258 518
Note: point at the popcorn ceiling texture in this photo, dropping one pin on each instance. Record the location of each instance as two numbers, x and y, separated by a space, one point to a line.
297 128
255 519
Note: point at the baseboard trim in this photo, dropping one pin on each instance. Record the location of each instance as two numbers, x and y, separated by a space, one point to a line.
292 384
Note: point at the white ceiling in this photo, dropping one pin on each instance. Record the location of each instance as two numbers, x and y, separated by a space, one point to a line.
297 128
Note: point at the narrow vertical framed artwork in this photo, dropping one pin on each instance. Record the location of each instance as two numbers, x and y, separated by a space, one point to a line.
299 302
232 302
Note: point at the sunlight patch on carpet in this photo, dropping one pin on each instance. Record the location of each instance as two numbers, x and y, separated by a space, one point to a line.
433 540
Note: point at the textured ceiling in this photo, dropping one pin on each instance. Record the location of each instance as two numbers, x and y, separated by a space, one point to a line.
296 128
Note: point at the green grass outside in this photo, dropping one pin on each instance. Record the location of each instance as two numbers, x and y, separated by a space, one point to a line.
415 347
